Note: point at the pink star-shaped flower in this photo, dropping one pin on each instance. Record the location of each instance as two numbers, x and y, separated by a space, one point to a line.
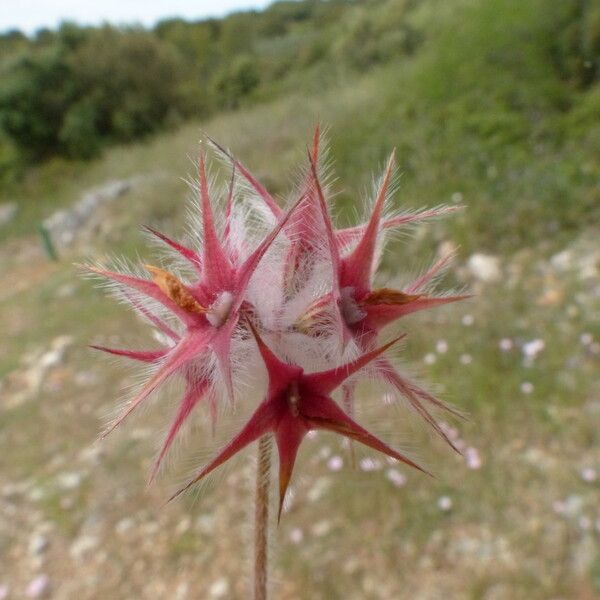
297 403
209 309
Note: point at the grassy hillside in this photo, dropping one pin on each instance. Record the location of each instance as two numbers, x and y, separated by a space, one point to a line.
481 108
488 107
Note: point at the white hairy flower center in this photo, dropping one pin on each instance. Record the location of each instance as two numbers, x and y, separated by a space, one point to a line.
350 309
219 311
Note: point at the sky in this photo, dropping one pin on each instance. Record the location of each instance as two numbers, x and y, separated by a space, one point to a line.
30 15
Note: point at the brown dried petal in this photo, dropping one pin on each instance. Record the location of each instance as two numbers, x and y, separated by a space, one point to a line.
389 296
174 289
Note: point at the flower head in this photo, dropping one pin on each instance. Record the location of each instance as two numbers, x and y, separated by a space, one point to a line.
360 310
208 309
297 403
291 277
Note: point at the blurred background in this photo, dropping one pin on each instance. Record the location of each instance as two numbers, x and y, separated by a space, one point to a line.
491 104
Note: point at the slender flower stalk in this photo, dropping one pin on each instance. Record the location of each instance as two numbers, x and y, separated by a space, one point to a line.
265 289
261 519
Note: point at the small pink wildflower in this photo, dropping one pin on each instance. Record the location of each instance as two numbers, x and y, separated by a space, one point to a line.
445 503
38 587
533 348
472 458
396 477
588 474
296 535
430 358
335 463
585 523
527 387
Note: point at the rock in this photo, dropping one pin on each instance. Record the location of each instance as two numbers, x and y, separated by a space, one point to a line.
320 486
92 454
82 546
538 457
38 544
69 480
124 526
219 589
484 267
66 290
321 528
562 261
183 526
445 503
151 528
86 378
205 524
38 587
11 491
67 225
582 258
37 493
8 210
27 382
64 225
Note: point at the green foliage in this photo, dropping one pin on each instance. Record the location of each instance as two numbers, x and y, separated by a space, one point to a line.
280 17
33 100
127 82
496 80
577 45
10 162
87 88
237 81
375 34
79 131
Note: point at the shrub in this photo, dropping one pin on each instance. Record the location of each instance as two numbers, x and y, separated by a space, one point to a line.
237 81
